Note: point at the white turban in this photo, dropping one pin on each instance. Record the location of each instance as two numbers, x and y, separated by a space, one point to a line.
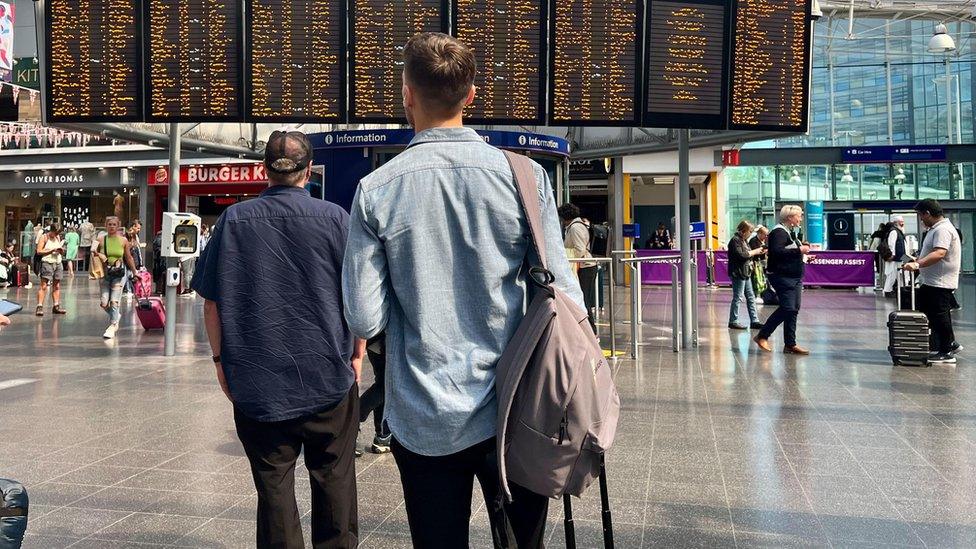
896 218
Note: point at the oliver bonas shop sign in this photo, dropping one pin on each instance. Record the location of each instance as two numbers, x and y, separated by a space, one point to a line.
64 179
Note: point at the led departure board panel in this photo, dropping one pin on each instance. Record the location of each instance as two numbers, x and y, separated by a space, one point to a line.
94 60
686 85
378 31
770 65
296 60
194 58
596 52
508 39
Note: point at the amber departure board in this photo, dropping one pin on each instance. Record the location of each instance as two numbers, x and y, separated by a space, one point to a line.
596 52
94 61
508 39
770 65
379 29
296 60
686 85
194 60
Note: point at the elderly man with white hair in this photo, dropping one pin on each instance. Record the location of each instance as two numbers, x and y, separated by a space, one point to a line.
899 252
786 268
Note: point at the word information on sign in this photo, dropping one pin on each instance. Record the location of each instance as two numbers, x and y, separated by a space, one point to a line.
194 60
94 61
507 38
686 64
770 65
297 62
596 51
380 28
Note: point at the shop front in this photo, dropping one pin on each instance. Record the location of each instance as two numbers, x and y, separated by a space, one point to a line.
67 196
207 190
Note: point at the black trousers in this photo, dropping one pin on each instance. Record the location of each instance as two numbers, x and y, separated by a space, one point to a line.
437 492
587 280
371 401
790 292
937 303
329 440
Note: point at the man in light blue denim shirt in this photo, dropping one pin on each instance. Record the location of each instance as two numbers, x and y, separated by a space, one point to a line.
437 255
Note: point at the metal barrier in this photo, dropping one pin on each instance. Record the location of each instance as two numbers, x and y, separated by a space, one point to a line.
613 324
637 304
618 254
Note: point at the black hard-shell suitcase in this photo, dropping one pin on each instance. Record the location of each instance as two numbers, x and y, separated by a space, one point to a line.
570 527
908 332
13 513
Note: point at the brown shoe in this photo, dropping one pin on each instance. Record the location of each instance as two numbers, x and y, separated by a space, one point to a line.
39 311
763 344
795 350
59 310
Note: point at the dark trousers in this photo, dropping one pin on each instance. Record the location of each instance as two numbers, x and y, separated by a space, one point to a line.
437 492
329 439
371 401
790 292
587 280
936 303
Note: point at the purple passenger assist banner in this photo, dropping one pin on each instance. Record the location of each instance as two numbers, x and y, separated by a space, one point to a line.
830 268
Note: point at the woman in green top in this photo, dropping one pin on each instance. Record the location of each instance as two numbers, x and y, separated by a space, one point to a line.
113 249
71 241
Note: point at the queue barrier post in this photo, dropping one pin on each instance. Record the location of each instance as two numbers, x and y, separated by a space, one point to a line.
675 309
613 316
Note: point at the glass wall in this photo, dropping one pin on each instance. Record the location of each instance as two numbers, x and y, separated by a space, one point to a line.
886 68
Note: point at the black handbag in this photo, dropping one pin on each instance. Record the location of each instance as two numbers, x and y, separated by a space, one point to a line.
115 271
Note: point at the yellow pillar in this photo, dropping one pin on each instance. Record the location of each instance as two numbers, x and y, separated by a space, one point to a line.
628 218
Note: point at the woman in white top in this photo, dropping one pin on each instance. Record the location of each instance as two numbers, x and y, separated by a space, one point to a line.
50 248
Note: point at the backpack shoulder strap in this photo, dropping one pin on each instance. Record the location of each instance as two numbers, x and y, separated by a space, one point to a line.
528 191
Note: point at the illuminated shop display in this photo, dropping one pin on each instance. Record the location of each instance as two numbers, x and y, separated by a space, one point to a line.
94 68
296 60
379 29
508 40
595 47
194 60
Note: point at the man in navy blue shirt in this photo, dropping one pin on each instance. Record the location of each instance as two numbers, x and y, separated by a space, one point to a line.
284 356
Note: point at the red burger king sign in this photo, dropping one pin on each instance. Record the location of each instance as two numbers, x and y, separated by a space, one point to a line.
212 175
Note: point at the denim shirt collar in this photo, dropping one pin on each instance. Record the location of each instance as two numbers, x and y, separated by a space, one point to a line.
433 135
274 190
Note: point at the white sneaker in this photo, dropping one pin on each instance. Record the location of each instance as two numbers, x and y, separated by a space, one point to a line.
111 331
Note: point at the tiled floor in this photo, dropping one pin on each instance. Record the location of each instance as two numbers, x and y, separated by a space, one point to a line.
723 447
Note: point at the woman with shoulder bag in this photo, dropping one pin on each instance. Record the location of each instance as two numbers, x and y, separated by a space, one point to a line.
740 271
115 253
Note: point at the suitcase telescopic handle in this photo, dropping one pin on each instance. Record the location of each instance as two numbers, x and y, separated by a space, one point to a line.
911 283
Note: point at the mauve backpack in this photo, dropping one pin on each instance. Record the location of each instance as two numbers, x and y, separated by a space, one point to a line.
557 404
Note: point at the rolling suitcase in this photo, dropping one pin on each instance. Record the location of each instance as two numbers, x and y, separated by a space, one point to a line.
142 284
21 275
13 513
570 527
151 313
908 332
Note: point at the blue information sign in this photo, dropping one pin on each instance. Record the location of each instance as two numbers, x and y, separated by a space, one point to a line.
900 153
698 230
632 230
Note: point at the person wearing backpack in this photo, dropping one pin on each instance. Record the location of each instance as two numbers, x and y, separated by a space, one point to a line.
894 253
449 284
578 241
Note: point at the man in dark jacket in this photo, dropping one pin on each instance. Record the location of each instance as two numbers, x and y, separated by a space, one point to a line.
786 267
740 271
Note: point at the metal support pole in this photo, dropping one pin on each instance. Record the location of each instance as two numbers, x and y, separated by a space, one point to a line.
694 303
675 309
635 304
613 314
173 206
948 68
597 290
684 230
638 281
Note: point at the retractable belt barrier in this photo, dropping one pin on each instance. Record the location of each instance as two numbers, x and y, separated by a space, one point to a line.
604 262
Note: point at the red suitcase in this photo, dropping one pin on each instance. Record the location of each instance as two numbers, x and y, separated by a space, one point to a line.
21 275
151 313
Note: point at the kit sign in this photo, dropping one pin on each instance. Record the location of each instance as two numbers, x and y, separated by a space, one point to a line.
212 175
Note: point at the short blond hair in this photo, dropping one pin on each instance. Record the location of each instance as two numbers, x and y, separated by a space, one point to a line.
744 228
788 211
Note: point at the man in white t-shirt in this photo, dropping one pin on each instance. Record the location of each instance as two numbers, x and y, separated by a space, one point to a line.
938 265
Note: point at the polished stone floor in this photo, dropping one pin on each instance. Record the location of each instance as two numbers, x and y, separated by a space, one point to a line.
719 447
